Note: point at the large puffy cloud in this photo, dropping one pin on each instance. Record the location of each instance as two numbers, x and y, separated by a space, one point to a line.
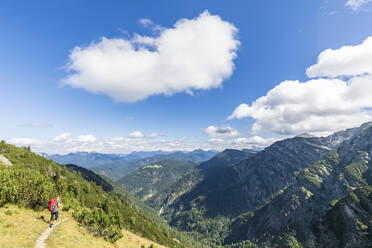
346 61
223 132
356 4
195 54
321 105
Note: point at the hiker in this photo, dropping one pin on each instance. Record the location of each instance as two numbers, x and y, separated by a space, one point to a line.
54 204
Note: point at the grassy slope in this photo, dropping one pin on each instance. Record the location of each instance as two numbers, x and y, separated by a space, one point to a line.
72 235
24 226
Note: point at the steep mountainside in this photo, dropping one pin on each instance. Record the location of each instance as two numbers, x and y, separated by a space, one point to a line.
294 208
192 178
151 179
90 176
347 224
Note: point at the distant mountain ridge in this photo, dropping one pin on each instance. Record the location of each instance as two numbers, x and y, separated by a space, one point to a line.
93 159
116 166
117 170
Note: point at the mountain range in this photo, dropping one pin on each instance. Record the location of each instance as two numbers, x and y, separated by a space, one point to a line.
286 195
116 166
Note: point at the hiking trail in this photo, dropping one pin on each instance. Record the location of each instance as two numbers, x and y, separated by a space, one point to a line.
41 242
4 160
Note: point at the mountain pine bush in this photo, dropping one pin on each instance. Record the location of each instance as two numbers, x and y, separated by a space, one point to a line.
100 223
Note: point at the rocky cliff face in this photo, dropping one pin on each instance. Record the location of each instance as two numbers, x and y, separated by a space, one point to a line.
348 223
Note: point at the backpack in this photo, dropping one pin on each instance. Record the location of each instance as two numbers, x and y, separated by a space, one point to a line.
52 204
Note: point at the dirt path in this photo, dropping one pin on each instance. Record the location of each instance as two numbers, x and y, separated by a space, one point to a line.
41 242
4 160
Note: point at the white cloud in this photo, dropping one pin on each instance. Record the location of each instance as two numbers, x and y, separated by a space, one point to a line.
145 22
89 143
136 135
223 132
195 54
153 135
346 61
61 137
254 142
127 144
356 4
89 138
25 142
321 105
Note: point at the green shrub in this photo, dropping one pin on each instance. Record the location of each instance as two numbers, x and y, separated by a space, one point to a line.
8 212
25 187
101 224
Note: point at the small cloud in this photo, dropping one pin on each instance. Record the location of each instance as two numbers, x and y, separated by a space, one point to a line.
61 137
136 135
145 22
89 138
255 141
153 135
223 132
37 124
356 4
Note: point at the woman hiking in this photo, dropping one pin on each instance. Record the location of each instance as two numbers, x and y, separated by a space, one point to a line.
54 204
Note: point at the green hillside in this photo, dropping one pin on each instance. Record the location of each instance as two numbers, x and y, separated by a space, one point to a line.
154 178
32 180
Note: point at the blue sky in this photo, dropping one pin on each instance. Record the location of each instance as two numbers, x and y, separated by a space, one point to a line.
278 40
